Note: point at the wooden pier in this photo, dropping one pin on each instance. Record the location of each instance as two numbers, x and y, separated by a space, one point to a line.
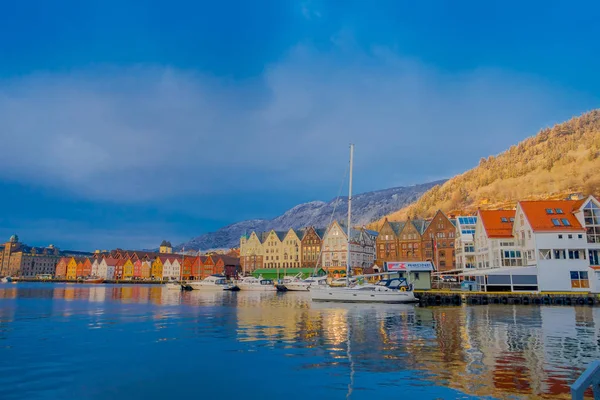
431 298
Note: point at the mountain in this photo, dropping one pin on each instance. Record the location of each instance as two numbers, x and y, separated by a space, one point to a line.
366 207
554 163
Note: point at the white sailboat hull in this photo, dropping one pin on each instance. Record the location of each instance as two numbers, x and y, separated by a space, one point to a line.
354 295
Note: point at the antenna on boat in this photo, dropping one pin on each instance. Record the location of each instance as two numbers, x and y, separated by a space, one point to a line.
348 267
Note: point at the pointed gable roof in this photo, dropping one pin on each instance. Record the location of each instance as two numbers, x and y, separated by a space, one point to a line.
541 219
420 225
397 227
497 223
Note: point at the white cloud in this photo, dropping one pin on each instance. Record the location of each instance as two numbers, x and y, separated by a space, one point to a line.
148 132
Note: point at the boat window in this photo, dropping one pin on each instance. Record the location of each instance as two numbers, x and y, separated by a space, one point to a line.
394 283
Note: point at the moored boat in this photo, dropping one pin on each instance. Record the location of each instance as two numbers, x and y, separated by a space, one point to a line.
393 290
93 279
256 284
6 279
173 285
306 284
213 282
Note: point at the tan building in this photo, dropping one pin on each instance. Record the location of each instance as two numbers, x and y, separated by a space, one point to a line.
251 252
335 249
18 259
290 247
387 242
410 240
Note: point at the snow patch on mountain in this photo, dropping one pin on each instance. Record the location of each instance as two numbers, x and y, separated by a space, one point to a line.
366 208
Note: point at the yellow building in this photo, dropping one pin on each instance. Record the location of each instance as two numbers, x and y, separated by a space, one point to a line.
165 247
157 269
273 249
128 269
72 269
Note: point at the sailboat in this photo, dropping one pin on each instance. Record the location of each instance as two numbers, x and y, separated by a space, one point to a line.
393 290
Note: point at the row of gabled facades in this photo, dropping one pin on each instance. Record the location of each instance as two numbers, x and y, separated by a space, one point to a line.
545 245
139 265
542 245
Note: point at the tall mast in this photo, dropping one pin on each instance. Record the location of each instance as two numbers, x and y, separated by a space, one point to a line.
348 269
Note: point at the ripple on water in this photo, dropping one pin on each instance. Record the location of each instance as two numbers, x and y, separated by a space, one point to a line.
141 341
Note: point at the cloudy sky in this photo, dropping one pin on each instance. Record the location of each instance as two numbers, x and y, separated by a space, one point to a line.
126 122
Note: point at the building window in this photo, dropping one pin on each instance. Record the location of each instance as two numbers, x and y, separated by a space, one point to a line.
579 236
560 236
591 214
559 254
577 254
544 254
594 257
579 279
565 222
556 222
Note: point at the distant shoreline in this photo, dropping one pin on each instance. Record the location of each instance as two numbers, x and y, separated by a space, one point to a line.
108 281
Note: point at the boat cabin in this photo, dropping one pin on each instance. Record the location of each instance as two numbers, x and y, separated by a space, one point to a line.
418 273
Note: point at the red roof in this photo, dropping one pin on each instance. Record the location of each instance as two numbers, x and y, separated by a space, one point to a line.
497 223
541 214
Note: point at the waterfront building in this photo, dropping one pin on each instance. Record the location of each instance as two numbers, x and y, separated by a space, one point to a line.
72 268
128 269
197 264
61 267
137 269
186 268
310 247
95 265
588 215
157 268
410 240
290 246
111 267
465 242
438 242
273 249
495 245
208 266
387 241
119 269
86 267
146 269
18 259
554 243
335 249
251 252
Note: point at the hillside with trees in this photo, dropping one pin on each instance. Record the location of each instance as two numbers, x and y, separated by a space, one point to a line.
554 163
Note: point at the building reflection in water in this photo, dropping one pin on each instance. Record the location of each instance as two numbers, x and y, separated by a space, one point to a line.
498 351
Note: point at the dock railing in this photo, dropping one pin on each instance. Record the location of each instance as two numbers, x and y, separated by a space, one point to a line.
589 377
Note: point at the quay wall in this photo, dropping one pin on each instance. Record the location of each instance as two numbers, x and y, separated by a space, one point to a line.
445 298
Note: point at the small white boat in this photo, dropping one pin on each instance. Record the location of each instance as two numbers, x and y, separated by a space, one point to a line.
306 284
93 279
393 290
6 279
173 285
256 284
213 282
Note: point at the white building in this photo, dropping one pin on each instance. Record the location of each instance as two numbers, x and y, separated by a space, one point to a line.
465 242
171 268
554 242
335 249
95 267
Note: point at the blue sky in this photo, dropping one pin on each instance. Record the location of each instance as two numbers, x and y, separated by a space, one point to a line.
126 122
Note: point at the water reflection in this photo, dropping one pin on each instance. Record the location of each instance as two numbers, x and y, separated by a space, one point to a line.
496 351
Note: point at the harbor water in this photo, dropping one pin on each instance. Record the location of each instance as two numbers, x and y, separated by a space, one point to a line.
146 342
